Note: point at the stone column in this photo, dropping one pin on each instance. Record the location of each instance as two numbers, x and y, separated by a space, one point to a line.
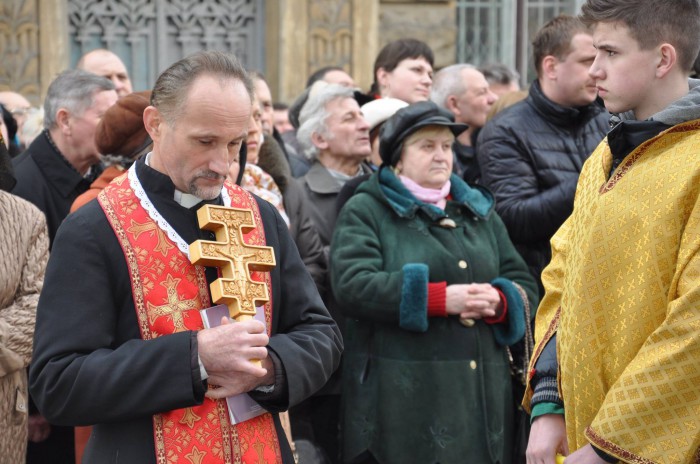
53 41
304 35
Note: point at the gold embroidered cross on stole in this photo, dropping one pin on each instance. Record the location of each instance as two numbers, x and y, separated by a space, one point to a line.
235 288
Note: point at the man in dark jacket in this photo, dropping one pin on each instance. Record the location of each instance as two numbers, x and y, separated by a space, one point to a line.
336 135
63 160
120 342
531 154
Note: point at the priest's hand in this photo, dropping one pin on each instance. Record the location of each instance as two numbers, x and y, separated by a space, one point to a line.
472 301
226 351
547 438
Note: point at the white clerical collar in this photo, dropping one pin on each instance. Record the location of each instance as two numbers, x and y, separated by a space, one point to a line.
185 199
181 198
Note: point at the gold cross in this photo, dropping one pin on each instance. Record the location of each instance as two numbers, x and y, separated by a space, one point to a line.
173 307
235 258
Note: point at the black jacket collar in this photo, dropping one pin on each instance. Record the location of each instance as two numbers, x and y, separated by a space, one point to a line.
56 168
559 115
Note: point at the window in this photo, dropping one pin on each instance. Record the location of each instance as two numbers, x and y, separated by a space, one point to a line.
501 30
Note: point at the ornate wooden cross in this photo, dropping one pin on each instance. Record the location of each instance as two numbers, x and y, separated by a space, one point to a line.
236 259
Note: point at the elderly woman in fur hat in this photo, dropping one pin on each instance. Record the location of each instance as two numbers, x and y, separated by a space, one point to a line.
434 293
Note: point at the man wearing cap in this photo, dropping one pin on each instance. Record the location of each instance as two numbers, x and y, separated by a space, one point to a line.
462 90
120 342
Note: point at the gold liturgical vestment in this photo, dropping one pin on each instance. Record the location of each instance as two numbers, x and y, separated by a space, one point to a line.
623 296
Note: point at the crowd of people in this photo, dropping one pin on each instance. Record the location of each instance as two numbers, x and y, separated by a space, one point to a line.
400 245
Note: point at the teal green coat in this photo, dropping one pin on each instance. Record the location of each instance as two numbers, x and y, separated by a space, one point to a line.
417 389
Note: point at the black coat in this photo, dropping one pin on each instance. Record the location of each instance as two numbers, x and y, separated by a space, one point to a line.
530 156
91 366
47 179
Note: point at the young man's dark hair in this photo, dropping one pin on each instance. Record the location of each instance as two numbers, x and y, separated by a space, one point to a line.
651 23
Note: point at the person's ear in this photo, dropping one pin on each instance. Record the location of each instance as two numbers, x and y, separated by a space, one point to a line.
152 120
666 59
63 121
382 77
319 141
549 67
451 105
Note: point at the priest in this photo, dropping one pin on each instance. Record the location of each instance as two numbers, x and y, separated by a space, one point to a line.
119 340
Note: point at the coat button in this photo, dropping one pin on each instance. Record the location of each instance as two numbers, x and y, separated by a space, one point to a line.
462 263
472 364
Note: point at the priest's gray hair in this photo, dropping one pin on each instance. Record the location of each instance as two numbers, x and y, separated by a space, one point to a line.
73 90
313 115
172 86
448 82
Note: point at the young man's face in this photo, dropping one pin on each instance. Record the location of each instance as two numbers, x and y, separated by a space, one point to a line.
576 87
624 73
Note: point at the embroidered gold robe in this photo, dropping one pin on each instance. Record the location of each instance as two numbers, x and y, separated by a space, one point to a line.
623 296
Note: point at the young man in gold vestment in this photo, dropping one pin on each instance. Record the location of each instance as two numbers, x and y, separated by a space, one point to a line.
615 376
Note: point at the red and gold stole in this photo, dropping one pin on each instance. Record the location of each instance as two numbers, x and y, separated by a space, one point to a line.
168 293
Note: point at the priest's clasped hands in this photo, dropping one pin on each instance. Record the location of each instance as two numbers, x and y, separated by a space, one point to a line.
226 351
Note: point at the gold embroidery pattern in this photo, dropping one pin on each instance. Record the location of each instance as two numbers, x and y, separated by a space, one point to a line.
145 268
630 299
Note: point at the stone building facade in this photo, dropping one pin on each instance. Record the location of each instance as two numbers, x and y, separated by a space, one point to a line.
285 39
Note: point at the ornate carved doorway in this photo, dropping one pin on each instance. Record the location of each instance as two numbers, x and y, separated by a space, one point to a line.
149 35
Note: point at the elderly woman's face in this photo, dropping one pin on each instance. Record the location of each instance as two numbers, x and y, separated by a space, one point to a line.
426 157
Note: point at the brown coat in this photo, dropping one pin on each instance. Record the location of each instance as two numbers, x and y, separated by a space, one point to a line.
24 246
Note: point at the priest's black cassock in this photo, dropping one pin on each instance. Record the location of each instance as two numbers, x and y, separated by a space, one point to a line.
91 366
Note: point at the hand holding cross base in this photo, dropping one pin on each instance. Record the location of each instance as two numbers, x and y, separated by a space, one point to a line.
235 288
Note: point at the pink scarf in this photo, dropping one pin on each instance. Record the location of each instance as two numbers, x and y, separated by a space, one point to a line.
436 197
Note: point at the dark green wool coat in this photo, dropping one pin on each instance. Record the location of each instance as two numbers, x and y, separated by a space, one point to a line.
417 389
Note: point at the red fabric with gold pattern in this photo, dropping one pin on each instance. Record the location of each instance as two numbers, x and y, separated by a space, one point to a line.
168 293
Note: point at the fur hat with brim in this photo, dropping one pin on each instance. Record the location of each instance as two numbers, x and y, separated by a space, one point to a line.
121 130
408 120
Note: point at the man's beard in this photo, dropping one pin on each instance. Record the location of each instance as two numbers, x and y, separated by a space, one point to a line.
205 193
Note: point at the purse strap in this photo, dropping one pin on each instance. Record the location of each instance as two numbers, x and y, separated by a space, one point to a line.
520 372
